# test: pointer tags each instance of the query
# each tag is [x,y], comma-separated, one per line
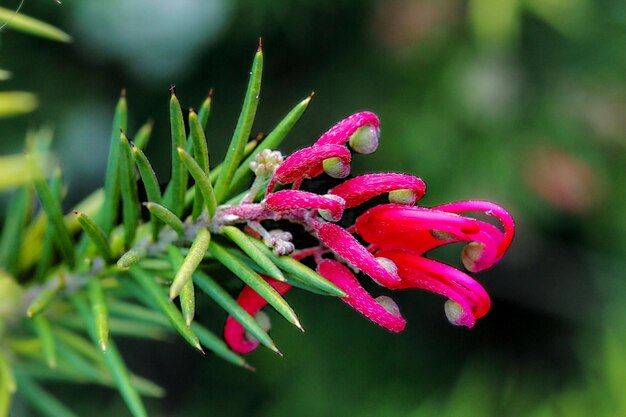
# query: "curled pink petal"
[491,209]
[359,189]
[358,298]
[347,247]
[340,133]
[419,272]
[308,163]
[234,333]
[331,207]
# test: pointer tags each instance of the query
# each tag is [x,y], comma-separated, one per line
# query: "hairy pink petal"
[234,333]
[358,298]
[419,272]
[286,200]
[491,209]
[340,133]
[360,189]
[347,247]
[307,163]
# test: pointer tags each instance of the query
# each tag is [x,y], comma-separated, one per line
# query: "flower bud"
[336,167]
[454,312]
[264,321]
[365,139]
[472,252]
[266,162]
[330,215]
[403,196]
[389,305]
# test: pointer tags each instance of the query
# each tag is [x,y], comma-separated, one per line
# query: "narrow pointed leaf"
[271,141]
[131,310]
[235,152]
[151,184]
[229,304]
[255,281]
[45,296]
[52,207]
[47,243]
[166,306]
[7,386]
[131,257]
[41,399]
[95,234]
[245,243]
[201,156]
[203,183]
[217,346]
[108,212]
[128,186]
[187,292]
[300,271]
[44,332]
[99,311]
[13,231]
[191,262]
[143,135]
[78,344]
[205,109]
[178,182]
[26,24]
[114,362]
[167,217]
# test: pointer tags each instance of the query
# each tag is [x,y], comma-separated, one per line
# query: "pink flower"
[402,188]
[361,130]
[234,333]
[330,207]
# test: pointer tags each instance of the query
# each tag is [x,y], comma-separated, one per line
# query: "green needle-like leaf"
[41,399]
[228,303]
[131,257]
[14,227]
[130,199]
[300,271]
[245,243]
[217,345]
[23,23]
[99,311]
[114,362]
[272,141]
[203,183]
[131,310]
[191,262]
[45,296]
[95,234]
[143,135]
[187,292]
[235,152]
[166,217]
[201,156]
[166,306]
[47,245]
[15,103]
[205,109]
[7,386]
[151,184]
[108,212]
[178,183]
[43,330]
[52,207]
[255,281]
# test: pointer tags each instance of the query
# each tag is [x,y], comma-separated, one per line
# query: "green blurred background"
[522,102]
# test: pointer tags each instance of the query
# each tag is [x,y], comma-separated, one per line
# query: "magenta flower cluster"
[398,235]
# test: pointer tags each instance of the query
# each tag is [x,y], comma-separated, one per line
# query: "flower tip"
[336,167]
[471,255]
[403,196]
[389,265]
[365,139]
[389,305]
[457,315]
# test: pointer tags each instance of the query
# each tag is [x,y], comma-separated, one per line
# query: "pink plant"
[398,234]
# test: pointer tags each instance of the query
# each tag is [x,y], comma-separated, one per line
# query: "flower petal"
[331,207]
[342,132]
[359,299]
[419,272]
[359,189]
[308,163]
[234,333]
[347,247]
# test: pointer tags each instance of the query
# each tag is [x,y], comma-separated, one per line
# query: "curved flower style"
[398,235]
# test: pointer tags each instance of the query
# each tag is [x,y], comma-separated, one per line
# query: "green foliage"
[95,271]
